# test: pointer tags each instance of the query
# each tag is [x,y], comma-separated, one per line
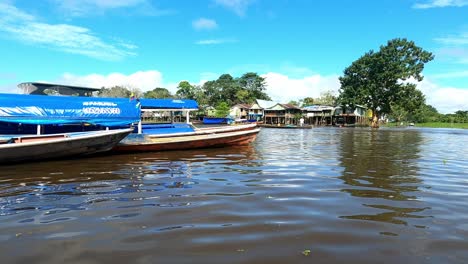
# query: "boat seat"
[39,138]
[7,140]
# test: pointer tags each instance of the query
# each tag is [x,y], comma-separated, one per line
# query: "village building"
[318,115]
[350,116]
[240,111]
[282,114]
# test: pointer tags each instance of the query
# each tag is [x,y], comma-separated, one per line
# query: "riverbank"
[433,125]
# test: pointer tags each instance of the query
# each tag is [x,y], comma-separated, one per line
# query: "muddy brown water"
[322,195]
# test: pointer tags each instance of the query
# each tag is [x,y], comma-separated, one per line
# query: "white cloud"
[237,6]
[455,47]
[456,40]
[143,80]
[282,88]
[214,41]
[87,7]
[64,37]
[451,75]
[9,88]
[444,99]
[440,3]
[204,24]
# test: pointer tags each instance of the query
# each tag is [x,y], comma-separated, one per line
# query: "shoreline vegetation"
[431,125]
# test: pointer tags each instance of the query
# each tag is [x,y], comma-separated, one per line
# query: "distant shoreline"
[433,125]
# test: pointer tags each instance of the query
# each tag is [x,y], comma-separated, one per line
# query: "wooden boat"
[162,142]
[286,126]
[161,137]
[21,148]
[36,127]
[206,130]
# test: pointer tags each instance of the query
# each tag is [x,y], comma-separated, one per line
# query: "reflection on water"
[383,164]
[347,195]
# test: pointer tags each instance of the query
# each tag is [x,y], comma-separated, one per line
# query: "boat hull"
[42,147]
[144,143]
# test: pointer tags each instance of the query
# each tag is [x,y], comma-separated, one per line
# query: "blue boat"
[36,127]
[217,120]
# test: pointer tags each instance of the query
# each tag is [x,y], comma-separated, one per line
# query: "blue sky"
[301,47]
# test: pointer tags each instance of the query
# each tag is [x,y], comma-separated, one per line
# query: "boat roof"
[42,110]
[168,104]
[39,88]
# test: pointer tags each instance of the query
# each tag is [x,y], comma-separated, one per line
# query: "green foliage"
[222,109]
[326,98]
[158,93]
[116,92]
[185,90]
[226,89]
[292,102]
[425,113]
[308,101]
[379,80]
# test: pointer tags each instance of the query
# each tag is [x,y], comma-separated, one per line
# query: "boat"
[217,120]
[21,148]
[164,142]
[36,127]
[177,136]
[285,126]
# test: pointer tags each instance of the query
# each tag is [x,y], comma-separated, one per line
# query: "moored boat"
[160,137]
[21,148]
[36,127]
[147,142]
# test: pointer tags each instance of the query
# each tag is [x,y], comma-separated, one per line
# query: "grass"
[443,125]
[434,125]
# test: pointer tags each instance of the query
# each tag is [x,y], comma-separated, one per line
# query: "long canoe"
[22,148]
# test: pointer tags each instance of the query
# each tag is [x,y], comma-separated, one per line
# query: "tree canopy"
[119,92]
[226,88]
[380,80]
[158,93]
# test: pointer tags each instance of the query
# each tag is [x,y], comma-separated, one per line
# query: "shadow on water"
[381,168]
[47,186]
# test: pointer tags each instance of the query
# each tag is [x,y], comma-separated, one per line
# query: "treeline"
[428,113]
[379,80]
[226,89]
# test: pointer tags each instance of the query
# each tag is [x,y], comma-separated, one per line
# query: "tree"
[116,91]
[326,98]
[185,90]
[292,102]
[307,101]
[426,113]
[380,79]
[222,109]
[158,93]
[255,86]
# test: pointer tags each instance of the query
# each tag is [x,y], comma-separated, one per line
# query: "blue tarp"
[168,104]
[44,110]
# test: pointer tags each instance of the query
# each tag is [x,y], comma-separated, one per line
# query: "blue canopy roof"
[168,104]
[43,110]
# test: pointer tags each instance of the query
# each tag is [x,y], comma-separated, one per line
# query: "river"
[322,195]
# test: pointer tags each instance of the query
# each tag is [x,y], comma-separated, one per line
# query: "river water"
[322,195]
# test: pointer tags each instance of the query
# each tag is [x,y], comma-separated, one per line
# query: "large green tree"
[158,93]
[115,91]
[186,90]
[379,79]
[326,98]
[255,86]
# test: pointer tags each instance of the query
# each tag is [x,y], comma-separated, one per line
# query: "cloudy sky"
[300,47]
